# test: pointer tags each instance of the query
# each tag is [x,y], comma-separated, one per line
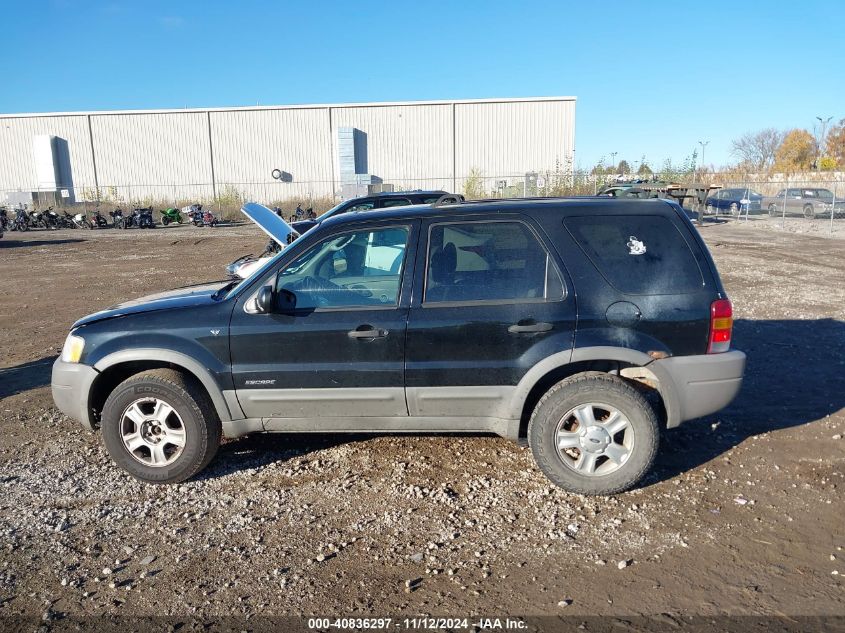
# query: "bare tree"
[757,150]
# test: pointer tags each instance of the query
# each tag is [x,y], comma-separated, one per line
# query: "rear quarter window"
[638,254]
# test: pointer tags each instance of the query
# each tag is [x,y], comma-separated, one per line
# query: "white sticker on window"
[635,246]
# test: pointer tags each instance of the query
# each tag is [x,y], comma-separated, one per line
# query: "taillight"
[721,324]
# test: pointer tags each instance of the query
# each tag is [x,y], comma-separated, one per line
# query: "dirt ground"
[744,513]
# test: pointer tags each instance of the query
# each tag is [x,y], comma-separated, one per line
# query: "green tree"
[644,169]
[623,168]
[796,153]
[474,184]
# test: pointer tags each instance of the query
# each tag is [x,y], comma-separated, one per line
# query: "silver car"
[806,201]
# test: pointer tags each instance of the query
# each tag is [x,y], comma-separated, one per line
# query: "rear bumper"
[699,385]
[71,385]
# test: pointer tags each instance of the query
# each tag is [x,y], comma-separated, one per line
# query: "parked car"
[376,201]
[806,201]
[734,201]
[582,326]
[279,231]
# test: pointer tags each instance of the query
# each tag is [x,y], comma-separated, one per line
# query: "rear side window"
[638,254]
[489,261]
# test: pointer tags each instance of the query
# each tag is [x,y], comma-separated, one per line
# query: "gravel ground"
[743,513]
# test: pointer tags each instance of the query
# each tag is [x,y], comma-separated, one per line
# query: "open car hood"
[270,223]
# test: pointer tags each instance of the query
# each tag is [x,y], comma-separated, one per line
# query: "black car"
[384,200]
[735,201]
[581,326]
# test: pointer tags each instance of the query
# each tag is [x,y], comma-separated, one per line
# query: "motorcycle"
[36,220]
[117,219]
[66,221]
[142,217]
[171,215]
[51,219]
[98,221]
[80,221]
[21,222]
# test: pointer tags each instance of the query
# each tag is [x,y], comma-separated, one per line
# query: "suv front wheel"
[593,434]
[160,426]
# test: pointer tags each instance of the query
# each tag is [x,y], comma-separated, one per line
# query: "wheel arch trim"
[666,384]
[201,373]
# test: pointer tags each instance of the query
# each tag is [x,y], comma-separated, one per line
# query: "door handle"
[367,332]
[529,326]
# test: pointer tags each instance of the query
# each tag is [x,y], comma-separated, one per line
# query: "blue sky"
[643,87]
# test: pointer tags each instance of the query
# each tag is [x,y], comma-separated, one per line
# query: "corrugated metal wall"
[509,139]
[148,154]
[17,163]
[408,146]
[249,144]
[231,153]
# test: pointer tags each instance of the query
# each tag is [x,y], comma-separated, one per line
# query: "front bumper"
[699,385]
[71,386]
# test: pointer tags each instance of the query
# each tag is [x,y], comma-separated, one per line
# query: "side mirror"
[285,301]
[264,301]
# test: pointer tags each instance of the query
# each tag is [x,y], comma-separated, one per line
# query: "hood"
[270,223]
[187,297]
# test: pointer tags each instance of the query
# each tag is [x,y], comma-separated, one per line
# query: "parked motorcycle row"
[21,219]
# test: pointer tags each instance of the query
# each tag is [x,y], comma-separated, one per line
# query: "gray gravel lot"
[742,515]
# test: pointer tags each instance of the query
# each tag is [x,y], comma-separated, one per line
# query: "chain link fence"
[800,202]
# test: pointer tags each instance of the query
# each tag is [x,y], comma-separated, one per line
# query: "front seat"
[441,272]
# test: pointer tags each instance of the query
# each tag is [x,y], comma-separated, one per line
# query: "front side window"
[362,268]
[489,261]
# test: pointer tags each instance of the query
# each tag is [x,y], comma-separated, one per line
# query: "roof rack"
[448,198]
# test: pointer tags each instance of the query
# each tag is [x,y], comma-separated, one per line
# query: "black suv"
[384,200]
[583,326]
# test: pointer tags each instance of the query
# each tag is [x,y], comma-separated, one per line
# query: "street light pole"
[613,160]
[820,142]
[703,145]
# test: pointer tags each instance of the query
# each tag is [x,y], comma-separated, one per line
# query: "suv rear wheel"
[809,212]
[160,426]
[593,434]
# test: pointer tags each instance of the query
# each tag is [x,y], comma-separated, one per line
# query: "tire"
[165,220]
[548,424]
[194,414]
[809,212]
[773,211]
[710,209]
[734,209]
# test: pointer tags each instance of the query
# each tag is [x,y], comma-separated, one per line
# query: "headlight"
[72,351]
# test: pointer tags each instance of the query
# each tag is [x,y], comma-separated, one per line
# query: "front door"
[493,304]
[340,352]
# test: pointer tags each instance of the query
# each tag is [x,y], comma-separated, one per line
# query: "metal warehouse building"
[274,153]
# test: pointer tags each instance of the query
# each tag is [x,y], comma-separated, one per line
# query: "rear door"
[490,304]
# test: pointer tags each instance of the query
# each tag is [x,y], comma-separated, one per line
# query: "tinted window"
[363,268]
[395,202]
[642,254]
[362,206]
[488,261]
